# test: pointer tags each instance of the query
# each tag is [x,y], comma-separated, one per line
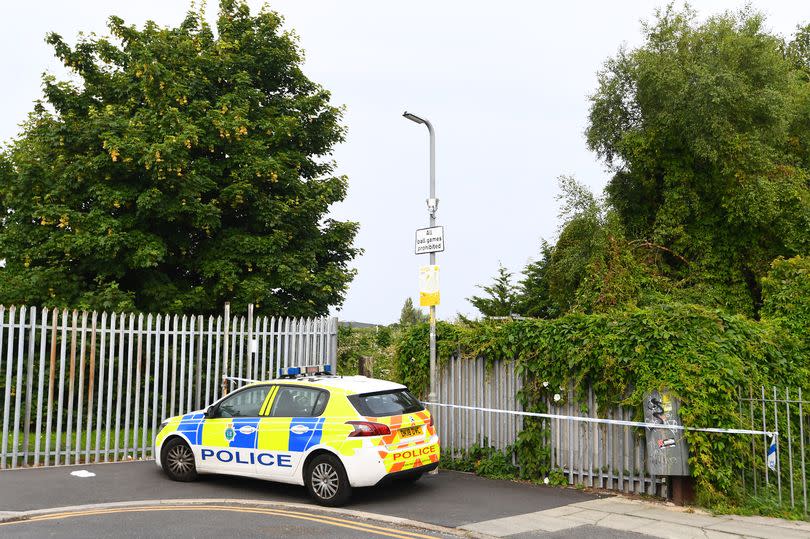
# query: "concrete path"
[622,515]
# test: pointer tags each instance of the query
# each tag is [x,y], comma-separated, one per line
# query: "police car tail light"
[368,428]
[430,421]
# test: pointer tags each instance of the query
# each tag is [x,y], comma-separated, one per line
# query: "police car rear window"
[386,403]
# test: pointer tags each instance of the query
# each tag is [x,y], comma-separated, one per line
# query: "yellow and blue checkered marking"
[244,432]
[191,426]
[304,440]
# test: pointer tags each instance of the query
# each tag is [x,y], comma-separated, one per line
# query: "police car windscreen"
[386,403]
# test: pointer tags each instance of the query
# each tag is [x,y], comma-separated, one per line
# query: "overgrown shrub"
[483,460]
[702,356]
[371,342]
[786,295]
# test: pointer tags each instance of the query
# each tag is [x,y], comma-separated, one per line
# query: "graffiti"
[667,453]
[657,410]
[661,409]
[666,443]
[660,459]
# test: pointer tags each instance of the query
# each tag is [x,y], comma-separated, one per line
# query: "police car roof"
[350,384]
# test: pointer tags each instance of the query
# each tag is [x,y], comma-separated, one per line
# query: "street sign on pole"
[429,240]
[432,205]
[429,286]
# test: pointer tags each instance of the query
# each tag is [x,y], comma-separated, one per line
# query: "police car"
[308,427]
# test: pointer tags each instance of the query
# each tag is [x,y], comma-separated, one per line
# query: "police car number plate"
[409,431]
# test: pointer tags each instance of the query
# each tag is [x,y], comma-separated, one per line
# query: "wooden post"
[365,366]
[681,490]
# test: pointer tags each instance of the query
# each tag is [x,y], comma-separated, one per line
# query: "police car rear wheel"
[327,481]
[178,460]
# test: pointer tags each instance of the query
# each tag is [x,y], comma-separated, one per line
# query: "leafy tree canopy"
[179,168]
[707,130]
[410,315]
[786,295]
[533,297]
[592,267]
[581,235]
[500,298]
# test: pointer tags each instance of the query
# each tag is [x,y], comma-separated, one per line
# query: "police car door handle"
[299,429]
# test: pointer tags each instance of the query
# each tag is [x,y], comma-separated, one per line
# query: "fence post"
[364,366]
[333,343]
[7,399]
[250,351]
[198,367]
[29,380]
[225,343]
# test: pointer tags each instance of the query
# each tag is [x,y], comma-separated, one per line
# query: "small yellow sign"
[429,286]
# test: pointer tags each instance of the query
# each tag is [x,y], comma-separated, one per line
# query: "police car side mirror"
[211,411]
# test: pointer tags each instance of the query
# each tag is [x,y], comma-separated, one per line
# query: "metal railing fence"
[469,382]
[784,475]
[594,455]
[614,456]
[609,456]
[81,387]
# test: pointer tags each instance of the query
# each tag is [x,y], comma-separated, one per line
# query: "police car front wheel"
[178,460]
[327,481]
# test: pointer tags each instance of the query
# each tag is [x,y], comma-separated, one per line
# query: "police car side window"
[298,402]
[245,403]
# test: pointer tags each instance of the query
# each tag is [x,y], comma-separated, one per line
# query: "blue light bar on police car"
[306,369]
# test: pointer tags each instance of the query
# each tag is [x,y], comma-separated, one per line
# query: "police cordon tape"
[603,421]
[576,418]
[248,380]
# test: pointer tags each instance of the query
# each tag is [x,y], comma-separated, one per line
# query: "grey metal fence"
[611,456]
[614,456]
[80,386]
[594,455]
[784,475]
[468,382]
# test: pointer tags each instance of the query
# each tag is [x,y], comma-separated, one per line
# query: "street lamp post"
[432,204]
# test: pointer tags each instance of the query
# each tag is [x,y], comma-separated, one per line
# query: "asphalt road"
[203,521]
[447,499]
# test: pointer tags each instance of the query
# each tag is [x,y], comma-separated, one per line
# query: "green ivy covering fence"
[702,356]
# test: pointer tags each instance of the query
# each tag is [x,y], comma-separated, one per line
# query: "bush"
[786,294]
[483,460]
[372,342]
[702,356]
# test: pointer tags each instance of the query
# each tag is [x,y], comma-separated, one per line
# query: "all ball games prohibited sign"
[429,240]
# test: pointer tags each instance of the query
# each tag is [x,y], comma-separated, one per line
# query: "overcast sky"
[505,84]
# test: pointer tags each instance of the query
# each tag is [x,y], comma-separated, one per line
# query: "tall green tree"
[592,267]
[500,298]
[581,237]
[706,127]
[179,168]
[532,296]
[410,315]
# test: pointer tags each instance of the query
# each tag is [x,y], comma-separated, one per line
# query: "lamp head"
[413,117]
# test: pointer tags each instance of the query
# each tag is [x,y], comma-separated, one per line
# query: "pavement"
[135,499]
[641,518]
